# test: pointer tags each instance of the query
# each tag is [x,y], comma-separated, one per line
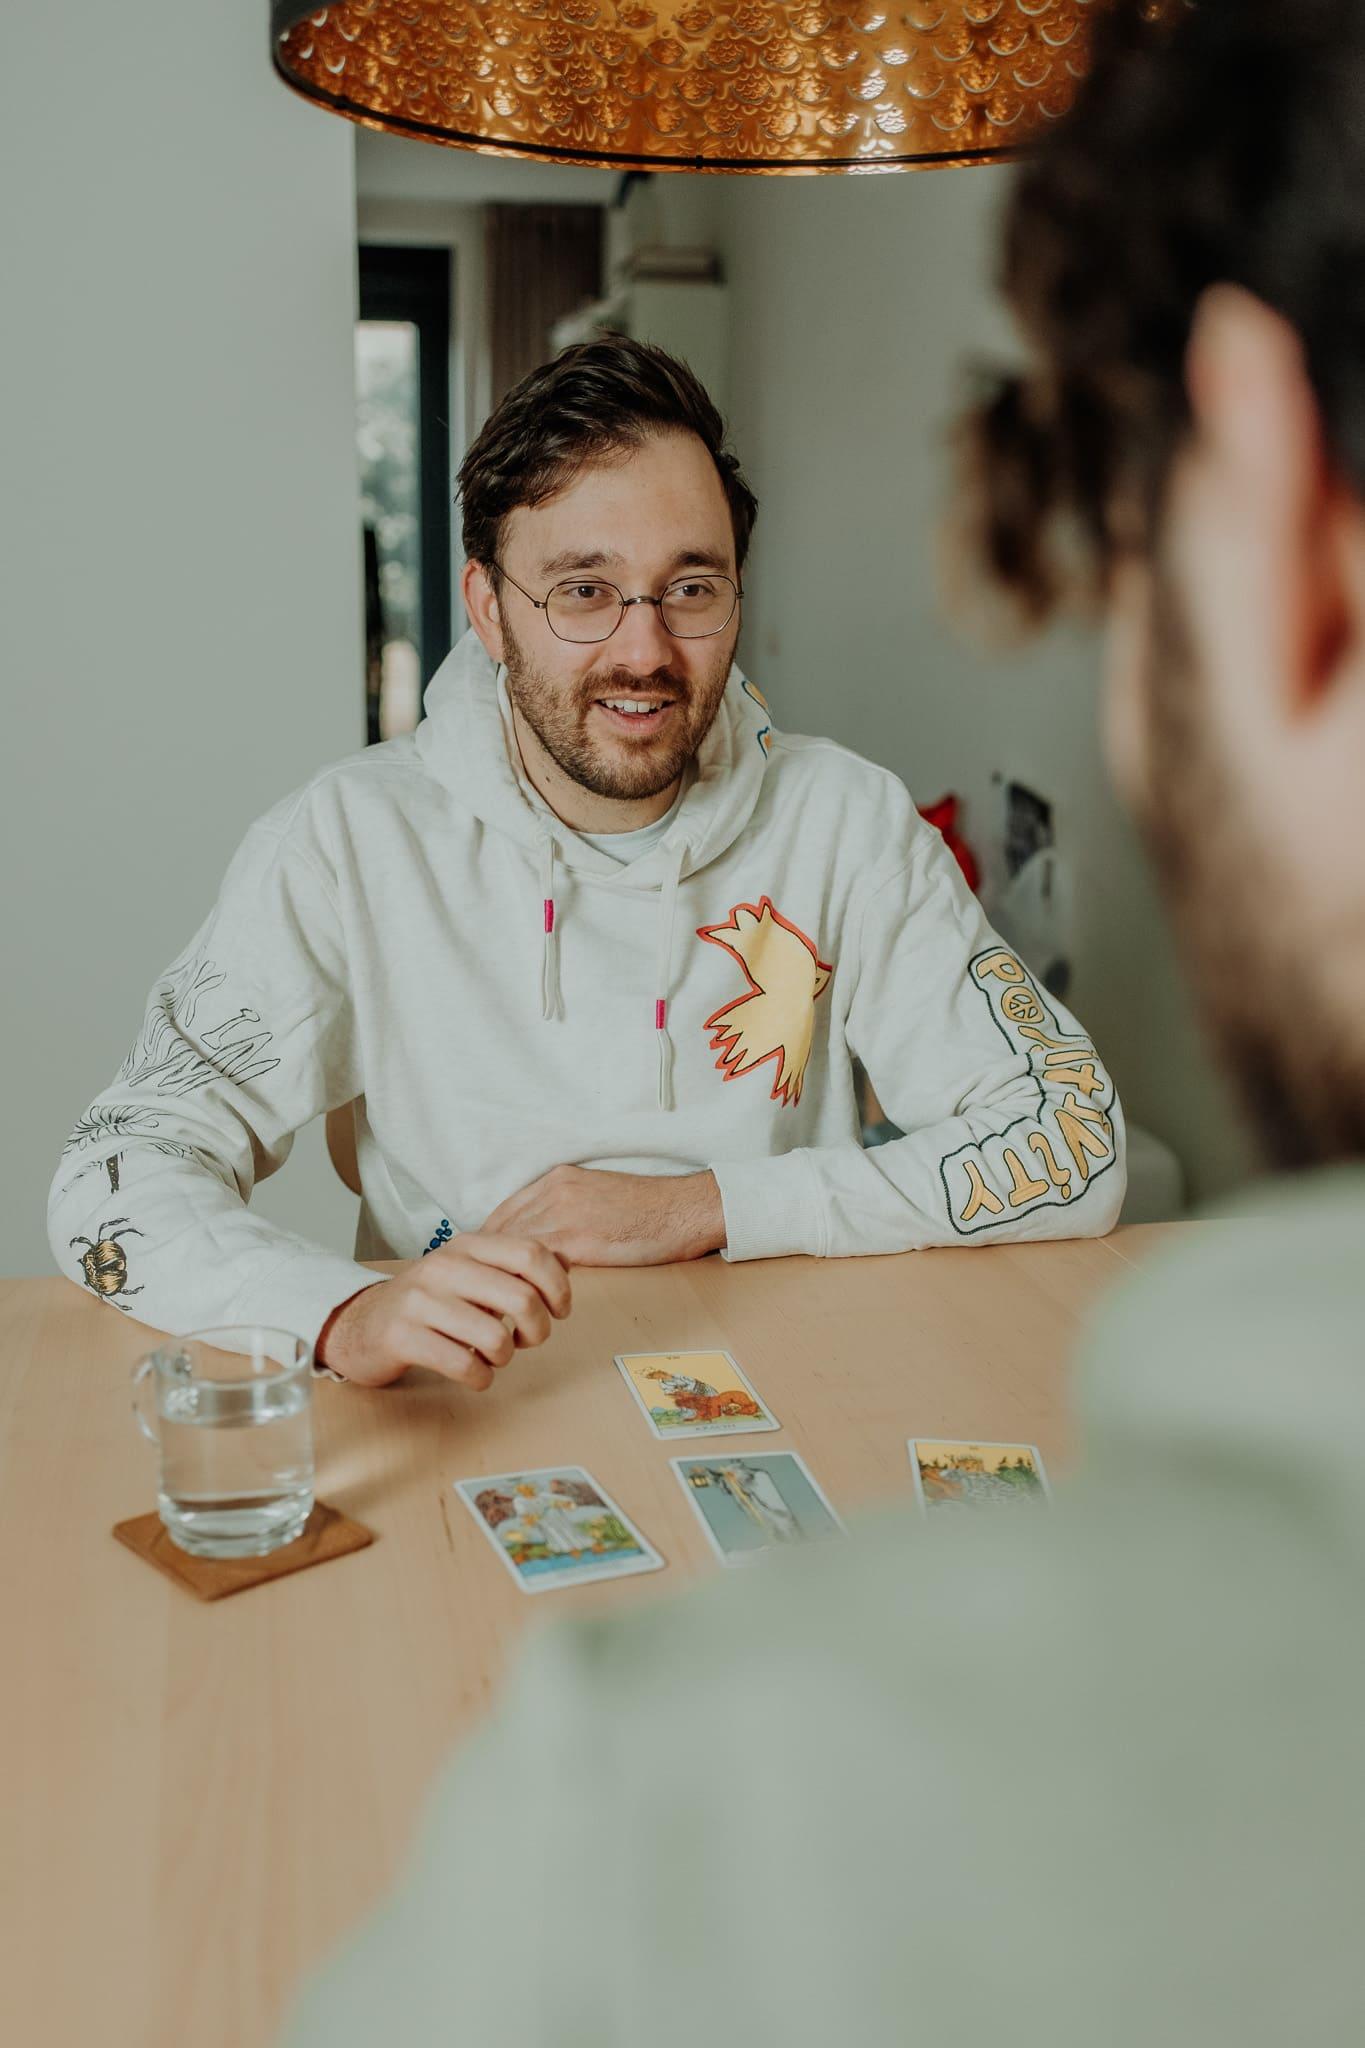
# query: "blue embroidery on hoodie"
[444,1233]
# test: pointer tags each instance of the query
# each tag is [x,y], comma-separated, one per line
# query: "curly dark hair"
[1213,141]
[594,398]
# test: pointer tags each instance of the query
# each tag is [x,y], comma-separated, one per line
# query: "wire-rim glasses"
[586,609]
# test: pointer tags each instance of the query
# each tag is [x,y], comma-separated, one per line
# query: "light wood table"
[199,1798]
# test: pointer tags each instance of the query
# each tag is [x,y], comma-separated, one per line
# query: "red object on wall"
[943,814]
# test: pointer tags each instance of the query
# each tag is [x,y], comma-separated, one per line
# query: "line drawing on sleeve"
[167,1060]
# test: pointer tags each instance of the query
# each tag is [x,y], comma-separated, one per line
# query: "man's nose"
[642,640]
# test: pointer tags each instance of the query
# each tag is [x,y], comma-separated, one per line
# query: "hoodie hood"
[463,742]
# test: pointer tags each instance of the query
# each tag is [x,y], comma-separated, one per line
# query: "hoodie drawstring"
[668,911]
[550,1002]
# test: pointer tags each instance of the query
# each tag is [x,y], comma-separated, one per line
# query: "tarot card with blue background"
[556,1527]
[755,1502]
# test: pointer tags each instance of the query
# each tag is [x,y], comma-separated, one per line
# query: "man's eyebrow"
[701,558]
[579,558]
[570,561]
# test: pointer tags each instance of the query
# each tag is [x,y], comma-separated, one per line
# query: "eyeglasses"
[585,609]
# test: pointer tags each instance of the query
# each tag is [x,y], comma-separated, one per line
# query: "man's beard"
[1262,969]
[559,719]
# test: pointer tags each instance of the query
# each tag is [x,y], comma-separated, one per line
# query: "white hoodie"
[416,931]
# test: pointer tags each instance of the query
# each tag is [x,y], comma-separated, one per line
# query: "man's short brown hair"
[595,399]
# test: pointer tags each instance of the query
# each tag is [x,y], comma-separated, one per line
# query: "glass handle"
[139,1414]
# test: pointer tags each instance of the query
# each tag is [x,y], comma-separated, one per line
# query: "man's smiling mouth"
[644,713]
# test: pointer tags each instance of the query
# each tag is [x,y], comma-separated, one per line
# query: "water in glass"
[236,1462]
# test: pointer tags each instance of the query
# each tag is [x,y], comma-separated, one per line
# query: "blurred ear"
[1275,537]
[1127,668]
[480,601]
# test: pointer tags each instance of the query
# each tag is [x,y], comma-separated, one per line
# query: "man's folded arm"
[1013,1127]
[246,1038]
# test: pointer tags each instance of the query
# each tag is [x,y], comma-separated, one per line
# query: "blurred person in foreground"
[1094,1777]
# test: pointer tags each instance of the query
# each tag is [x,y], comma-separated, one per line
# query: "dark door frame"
[401,283]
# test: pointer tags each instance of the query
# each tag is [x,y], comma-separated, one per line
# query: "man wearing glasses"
[593,953]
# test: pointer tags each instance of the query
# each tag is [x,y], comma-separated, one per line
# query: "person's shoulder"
[806,1758]
[837,1630]
[1274,1251]
[1243,1322]
[864,797]
[819,759]
[390,771]
[386,778]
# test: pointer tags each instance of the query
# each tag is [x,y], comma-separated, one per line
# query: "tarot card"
[950,1475]
[556,1527]
[694,1393]
[753,1502]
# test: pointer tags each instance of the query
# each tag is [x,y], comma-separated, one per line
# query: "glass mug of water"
[233,1420]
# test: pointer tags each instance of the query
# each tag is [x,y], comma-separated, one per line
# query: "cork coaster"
[326,1534]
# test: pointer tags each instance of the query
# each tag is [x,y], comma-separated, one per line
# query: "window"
[402,355]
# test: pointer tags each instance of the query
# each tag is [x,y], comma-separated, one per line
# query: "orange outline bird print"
[775,1018]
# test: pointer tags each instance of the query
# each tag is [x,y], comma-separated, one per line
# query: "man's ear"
[481,603]
[1283,565]
[1340,623]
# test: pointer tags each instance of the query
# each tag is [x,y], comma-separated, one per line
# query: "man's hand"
[617,1219]
[446,1310]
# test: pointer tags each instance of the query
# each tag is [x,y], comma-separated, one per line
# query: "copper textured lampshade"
[761,85]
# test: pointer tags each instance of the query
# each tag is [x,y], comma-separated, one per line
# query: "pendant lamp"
[776,86]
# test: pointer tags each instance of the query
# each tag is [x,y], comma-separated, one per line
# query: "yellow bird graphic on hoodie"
[775,1018]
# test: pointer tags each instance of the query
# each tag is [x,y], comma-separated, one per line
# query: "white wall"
[399,167]
[854,304]
[181,547]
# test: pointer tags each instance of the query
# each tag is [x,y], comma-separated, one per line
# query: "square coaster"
[326,1534]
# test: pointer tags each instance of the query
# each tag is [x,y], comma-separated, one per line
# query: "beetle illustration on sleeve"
[105,1264]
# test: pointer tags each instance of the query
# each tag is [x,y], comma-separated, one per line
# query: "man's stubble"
[558,718]
[1277,986]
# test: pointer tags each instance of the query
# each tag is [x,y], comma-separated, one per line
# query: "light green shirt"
[624,847]
[1090,1777]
